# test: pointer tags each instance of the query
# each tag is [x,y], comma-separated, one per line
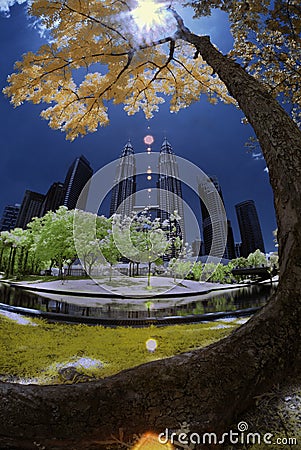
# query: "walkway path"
[126,287]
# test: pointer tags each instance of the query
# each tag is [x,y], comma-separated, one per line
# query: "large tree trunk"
[206,388]
[280,141]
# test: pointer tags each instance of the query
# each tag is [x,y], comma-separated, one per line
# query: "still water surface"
[231,300]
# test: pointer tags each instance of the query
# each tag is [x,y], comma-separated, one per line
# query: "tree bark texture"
[207,388]
[280,141]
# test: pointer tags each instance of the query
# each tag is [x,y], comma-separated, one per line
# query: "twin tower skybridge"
[164,176]
[161,201]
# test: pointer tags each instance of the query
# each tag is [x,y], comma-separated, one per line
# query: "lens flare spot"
[151,441]
[148,140]
[151,345]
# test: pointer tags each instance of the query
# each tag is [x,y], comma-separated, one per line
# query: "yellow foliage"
[267,40]
[122,66]
[140,69]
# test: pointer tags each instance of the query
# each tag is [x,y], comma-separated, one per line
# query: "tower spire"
[122,200]
[166,147]
[169,187]
[128,149]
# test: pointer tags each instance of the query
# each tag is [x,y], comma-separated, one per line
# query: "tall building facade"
[9,217]
[123,192]
[230,252]
[30,208]
[170,188]
[77,176]
[249,226]
[53,199]
[210,189]
[237,249]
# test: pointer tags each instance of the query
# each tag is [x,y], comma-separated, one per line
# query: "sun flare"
[148,14]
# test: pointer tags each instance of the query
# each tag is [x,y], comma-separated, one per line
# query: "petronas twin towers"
[169,189]
[124,190]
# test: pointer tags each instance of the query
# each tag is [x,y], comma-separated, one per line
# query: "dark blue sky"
[212,137]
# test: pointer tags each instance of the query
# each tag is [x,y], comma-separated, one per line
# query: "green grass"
[31,278]
[29,351]
[117,282]
[44,278]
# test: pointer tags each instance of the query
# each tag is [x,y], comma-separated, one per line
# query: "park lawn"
[30,353]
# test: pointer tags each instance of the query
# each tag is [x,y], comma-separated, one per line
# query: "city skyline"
[110,206]
[210,136]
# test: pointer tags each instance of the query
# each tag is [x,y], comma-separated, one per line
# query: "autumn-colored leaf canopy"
[97,53]
[267,41]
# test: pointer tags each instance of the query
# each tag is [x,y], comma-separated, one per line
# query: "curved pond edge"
[132,322]
[166,294]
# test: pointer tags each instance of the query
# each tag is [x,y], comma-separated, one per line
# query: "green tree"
[141,240]
[89,231]
[179,267]
[110,251]
[55,241]
[274,261]
[151,241]
[257,259]
[22,243]
[239,263]
[6,247]
[208,271]
[3,249]
[33,258]
[183,65]
[197,270]
[15,240]
[221,273]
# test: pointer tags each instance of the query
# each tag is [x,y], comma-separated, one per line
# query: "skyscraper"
[215,202]
[249,226]
[30,207]
[9,217]
[237,249]
[53,199]
[170,187]
[230,252]
[123,192]
[77,176]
